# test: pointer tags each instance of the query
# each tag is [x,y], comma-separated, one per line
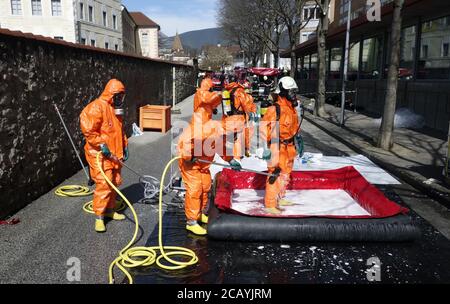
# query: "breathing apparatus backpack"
[228,106]
[297,139]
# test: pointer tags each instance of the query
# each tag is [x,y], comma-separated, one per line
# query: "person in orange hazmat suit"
[102,125]
[281,148]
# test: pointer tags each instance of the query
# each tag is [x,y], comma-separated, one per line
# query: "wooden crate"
[155,117]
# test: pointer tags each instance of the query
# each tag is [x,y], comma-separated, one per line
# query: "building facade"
[147,35]
[50,18]
[96,23]
[424,72]
[129,33]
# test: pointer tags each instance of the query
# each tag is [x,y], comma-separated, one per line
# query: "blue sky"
[173,15]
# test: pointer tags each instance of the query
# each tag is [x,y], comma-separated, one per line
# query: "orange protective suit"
[283,150]
[205,102]
[100,125]
[198,140]
[235,125]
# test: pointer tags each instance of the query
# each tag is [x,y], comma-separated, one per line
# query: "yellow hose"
[80,191]
[132,257]
[73,191]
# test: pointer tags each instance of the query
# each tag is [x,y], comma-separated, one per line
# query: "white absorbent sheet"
[317,162]
[306,203]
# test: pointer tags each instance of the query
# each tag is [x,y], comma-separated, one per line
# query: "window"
[353,61]
[106,45]
[434,60]
[16,7]
[92,42]
[370,68]
[105,20]
[407,53]
[81,10]
[336,61]
[114,22]
[36,7]
[305,14]
[83,41]
[56,8]
[445,49]
[144,39]
[59,37]
[116,47]
[91,14]
[424,54]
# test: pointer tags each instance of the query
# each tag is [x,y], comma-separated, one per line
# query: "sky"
[173,15]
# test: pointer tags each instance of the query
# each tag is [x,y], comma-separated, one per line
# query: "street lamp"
[345,76]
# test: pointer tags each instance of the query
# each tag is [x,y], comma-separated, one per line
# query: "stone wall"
[35,73]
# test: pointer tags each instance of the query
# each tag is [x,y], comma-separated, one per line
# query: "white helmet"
[288,83]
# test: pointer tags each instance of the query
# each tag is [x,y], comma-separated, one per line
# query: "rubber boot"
[204,219]
[274,211]
[100,225]
[115,216]
[195,228]
[285,203]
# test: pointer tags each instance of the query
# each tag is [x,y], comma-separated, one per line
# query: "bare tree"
[322,32]
[233,20]
[252,25]
[385,135]
[216,58]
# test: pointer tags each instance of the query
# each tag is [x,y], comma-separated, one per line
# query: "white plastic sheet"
[306,202]
[317,162]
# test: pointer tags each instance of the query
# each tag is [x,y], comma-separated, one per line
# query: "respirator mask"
[290,95]
[118,102]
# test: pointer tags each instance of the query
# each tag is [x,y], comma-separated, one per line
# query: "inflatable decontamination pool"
[335,205]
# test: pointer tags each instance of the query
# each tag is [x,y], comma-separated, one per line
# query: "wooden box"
[155,117]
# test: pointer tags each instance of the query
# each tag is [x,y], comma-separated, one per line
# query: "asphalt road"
[54,229]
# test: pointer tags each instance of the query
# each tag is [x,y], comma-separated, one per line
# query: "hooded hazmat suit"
[282,147]
[198,141]
[100,125]
[235,125]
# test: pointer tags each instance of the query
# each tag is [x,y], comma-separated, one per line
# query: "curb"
[432,192]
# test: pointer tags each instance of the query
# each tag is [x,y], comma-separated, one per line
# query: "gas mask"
[290,95]
[118,101]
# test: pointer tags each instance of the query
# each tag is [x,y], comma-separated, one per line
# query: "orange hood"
[206,84]
[113,87]
[233,85]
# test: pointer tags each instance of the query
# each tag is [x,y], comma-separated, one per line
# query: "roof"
[20,35]
[177,46]
[142,20]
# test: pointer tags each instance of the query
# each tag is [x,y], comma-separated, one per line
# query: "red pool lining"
[347,179]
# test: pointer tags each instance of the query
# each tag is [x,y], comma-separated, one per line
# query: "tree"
[322,33]
[216,58]
[385,135]
[233,20]
[289,12]
[252,25]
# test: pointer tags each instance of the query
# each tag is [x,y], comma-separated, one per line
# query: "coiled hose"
[132,257]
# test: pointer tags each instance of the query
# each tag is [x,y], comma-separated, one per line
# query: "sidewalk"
[416,158]
[54,229]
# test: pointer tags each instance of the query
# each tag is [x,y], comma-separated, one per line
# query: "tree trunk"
[322,31]
[275,59]
[293,63]
[385,135]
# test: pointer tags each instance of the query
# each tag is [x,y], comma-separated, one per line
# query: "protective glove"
[126,154]
[235,165]
[267,154]
[105,150]
[299,145]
